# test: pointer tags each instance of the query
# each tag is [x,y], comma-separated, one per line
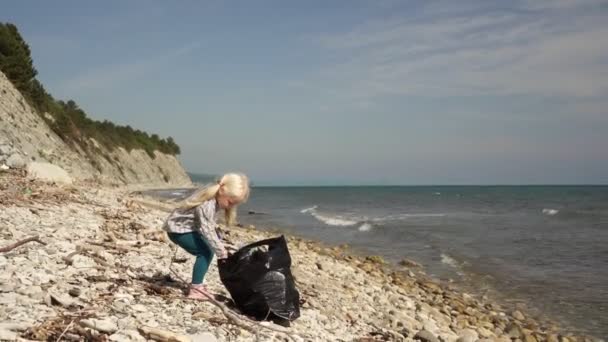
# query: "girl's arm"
[206,217]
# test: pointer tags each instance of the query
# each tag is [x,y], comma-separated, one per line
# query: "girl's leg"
[194,244]
[203,259]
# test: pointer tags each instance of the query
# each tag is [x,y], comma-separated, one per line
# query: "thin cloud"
[111,75]
[496,52]
[559,4]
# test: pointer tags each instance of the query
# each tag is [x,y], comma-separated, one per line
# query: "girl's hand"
[224,255]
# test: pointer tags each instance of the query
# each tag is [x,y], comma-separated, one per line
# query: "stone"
[485,333]
[127,336]
[467,335]
[503,338]
[74,292]
[529,337]
[409,263]
[518,315]
[54,299]
[34,291]
[7,335]
[203,337]
[48,172]
[426,336]
[5,150]
[15,161]
[15,326]
[8,299]
[431,327]
[82,261]
[105,325]
[139,307]
[514,331]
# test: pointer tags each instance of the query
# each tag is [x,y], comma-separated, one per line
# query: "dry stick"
[242,322]
[68,259]
[112,246]
[19,243]
[65,330]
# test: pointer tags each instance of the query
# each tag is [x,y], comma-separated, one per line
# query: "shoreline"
[489,295]
[125,282]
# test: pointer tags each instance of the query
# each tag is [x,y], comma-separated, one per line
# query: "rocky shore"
[106,272]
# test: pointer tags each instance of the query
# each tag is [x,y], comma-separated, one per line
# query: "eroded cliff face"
[26,138]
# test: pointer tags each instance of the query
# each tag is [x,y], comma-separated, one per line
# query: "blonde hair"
[234,185]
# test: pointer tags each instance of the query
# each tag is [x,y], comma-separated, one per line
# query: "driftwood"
[114,246]
[65,330]
[90,251]
[162,335]
[19,243]
[240,321]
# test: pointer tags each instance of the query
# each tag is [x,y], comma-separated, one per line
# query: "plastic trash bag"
[258,277]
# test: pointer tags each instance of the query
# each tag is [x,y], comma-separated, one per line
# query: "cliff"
[25,138]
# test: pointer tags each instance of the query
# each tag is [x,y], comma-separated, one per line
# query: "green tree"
[15,58]
[67,119]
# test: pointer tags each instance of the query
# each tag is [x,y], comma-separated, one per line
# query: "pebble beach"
[104,271]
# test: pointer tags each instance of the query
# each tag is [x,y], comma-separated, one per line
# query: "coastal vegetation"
[66,118]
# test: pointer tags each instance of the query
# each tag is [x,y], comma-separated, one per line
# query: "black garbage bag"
[258,277]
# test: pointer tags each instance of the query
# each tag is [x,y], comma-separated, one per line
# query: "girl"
[192,226]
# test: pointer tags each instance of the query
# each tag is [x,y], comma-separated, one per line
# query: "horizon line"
[423,185]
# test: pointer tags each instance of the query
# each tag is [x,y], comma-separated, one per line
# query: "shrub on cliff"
[67,119]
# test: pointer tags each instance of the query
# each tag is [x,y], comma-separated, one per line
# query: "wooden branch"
[68,259]
[65,330]
[112,246]
[19,243]
[240,321]
[90,251]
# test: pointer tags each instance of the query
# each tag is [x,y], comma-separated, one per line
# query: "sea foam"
[550,212]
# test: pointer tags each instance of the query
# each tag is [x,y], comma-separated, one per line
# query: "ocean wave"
[307,210]
[333,220]
[366,222]
[365,227]
[406,216]
[550,212]
[448,260]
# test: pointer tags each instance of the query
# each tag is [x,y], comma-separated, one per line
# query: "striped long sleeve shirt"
[199,219]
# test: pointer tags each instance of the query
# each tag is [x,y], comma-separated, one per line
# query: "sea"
[543,249]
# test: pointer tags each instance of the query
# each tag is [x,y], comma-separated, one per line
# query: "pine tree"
[15,58]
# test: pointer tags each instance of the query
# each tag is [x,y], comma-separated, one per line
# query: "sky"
[342,92]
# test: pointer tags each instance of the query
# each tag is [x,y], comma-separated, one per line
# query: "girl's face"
[226,202]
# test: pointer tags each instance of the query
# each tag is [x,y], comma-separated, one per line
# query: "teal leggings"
[196,245]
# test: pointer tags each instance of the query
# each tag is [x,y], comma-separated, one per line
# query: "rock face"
[25,137]
[48,172]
